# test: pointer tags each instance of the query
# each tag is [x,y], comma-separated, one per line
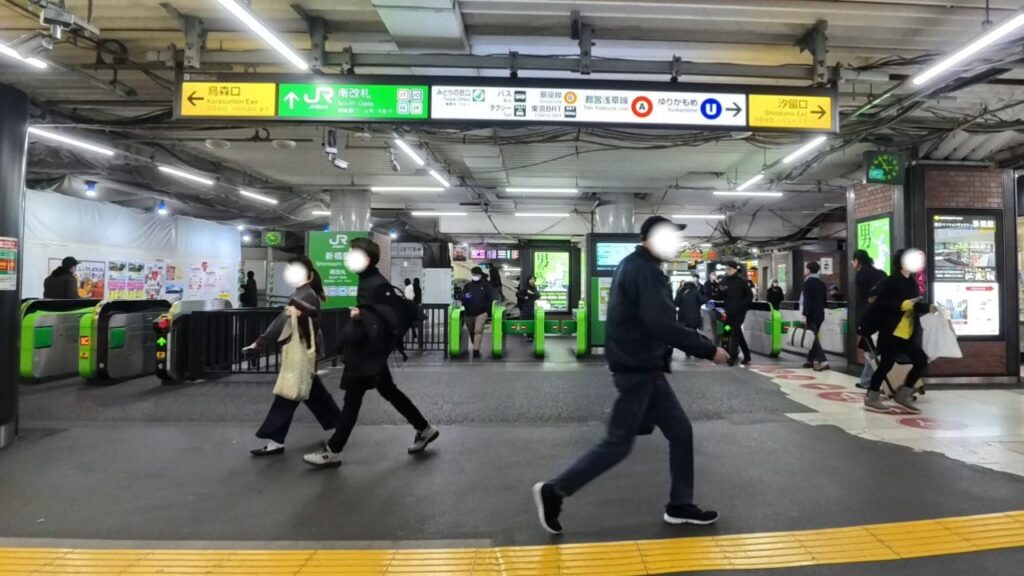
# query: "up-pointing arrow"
[291,99]
[161,341]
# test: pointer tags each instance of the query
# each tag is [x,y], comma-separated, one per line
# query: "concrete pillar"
[614,214]
[13,141]
[350,211]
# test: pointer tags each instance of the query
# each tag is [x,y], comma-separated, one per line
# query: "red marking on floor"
[932,424]
[848,397]
[822,386]
[794,377]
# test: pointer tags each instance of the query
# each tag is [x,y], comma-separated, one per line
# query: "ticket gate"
[117,340]
[458,337]
[762,329]
[49,337]
[540,327]
[172,336]
[798,340]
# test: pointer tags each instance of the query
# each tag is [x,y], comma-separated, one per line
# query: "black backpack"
[397,314]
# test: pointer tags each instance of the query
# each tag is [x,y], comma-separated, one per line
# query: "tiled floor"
[983,427]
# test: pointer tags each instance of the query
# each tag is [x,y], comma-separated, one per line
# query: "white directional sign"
[486,103]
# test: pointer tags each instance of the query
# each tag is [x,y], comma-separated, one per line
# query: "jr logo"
[339,240]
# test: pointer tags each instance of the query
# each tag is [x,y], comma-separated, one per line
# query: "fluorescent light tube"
[754,180]
[734,193]
[439,178]
[994,35]
[699,216]
[320,213]
[428,213]
[542,190]
[814,143]
[542,214]
[268,35]
[30,60]
[185,175]
[256,196]
[46,134]
[410,152]
[406,189]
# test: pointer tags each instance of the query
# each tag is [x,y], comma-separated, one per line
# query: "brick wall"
[963,187]
[872,199]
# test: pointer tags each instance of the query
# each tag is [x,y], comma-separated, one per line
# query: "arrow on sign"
[192,98]
[735,110]
[820,112]
[291,99]
[161,341]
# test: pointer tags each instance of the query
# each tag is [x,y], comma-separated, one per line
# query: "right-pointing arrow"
[820,112]
[735,109]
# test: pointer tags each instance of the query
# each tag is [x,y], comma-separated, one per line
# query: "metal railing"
[431,333]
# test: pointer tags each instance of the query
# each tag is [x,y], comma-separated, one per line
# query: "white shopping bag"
[937,337]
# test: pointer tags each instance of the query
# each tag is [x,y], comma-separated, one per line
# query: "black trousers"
[279,418]
[891,347]
[736,339]
[355,388]
[816,353]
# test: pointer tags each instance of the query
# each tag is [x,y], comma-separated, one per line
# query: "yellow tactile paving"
[872,543]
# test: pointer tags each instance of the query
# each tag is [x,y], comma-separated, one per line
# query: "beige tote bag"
[298,365]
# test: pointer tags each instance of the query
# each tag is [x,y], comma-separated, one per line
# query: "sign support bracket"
[584,33]
[317,37]
[195,35]
[815,42]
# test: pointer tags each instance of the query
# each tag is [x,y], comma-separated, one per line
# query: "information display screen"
[875,237]
[552,272]
[966,273]
[609,254]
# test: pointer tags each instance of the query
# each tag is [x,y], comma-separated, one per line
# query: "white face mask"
[296,275]
[357,261]
[477,278]
[913,261]
[665,241]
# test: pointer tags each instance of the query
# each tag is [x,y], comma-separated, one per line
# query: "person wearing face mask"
[737,295]
[815,295]
[527,297]
[641,332]
[898,308]
[775,295]
[303,304]
[365,352]
[477,297]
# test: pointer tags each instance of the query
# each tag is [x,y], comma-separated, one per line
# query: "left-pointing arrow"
[735,109]
[192,98]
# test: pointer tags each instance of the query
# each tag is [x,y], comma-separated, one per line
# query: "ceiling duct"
[424,24]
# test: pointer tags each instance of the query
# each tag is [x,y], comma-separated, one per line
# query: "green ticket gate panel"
[458,340]
[582,341]
[117,340]
[49,337]
[762,329]
[172,333]
[497,330]
[538,332]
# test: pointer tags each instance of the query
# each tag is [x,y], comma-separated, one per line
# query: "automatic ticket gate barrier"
[762,328]
[458,338]
[172,336]
[117,340]
[49,337]
[540,327]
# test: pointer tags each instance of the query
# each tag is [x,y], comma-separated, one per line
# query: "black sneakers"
[476,353]
[689,514]
[549,506]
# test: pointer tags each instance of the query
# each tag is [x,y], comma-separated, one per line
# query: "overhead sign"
[483,100]
[790,111]
[353,101]
[228,99]
[588,106]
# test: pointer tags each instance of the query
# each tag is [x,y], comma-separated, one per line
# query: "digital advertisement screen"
[966,274]
[609,254]
[875,237]
[552,272]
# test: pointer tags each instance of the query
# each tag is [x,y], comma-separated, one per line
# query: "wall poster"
[8,264]
[552,272]
[966,273]
[875,237]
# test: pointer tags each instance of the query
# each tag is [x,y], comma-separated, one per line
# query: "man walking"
[868,278]
[738,296]
[641,332]
[815,295]
[477,297]
[61,284]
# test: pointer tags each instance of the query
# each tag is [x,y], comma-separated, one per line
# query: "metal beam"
[195,36]
[317,37]
[815,42]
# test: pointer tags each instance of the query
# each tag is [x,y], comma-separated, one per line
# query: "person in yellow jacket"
[899,306]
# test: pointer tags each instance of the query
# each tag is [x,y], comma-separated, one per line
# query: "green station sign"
[353,101]
[327,252]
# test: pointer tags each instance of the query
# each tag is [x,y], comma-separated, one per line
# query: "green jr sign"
[327,252]
[353,101]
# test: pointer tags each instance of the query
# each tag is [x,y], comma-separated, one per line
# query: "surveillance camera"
[339,163]
[331,146]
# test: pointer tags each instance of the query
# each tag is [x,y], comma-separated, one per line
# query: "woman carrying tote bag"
[298,330]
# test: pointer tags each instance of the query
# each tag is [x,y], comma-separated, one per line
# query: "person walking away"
[738,296]
[813,303]
[899,307]
[712,288]
[304,305]
[477,297]
[417,291]
[62,284]
[689,302]
[775,295]
[417,297]
[526,298]
[367,342]
[495,280]
[408,291]
[250,292]
[868,278]
[641,333]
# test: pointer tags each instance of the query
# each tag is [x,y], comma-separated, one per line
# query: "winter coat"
[688,304]
[61,284]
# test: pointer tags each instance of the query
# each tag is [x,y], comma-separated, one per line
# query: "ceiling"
[873,47]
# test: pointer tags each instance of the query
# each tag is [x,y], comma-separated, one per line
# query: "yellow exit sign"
[228,99]
[787,111]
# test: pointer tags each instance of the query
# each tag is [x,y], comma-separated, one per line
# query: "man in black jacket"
[868,278]
[815,295]
[738,296]
[641,332]
[365,355]
[61,284]
[477,297]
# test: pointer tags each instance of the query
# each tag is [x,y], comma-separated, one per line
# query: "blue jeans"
[643,399]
